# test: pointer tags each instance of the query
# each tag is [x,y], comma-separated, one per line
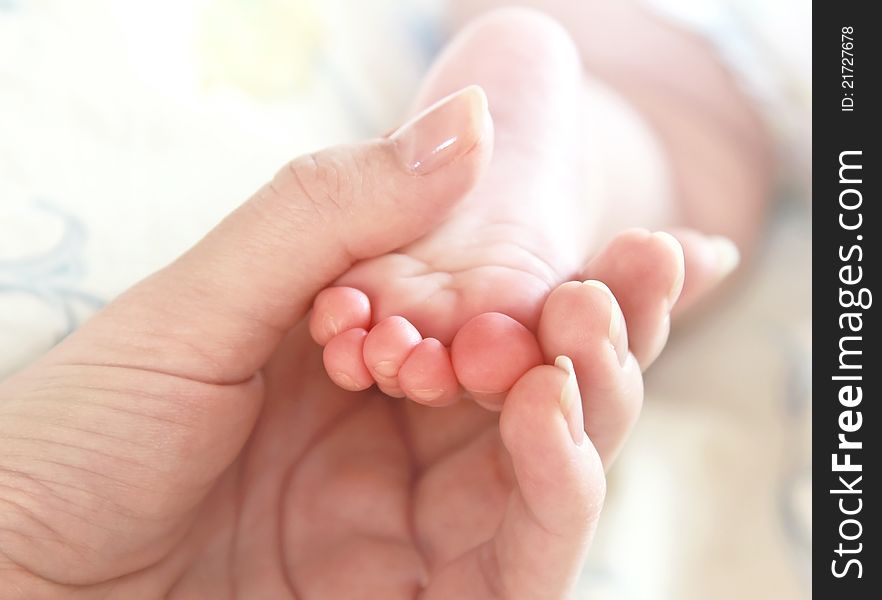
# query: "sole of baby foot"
[645,271]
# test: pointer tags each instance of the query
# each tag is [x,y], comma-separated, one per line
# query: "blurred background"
[128,129]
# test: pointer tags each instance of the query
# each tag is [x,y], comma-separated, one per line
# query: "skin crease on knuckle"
[305,194]
[316,193]
[327,181]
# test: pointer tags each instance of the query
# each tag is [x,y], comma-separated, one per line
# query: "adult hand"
[186,442]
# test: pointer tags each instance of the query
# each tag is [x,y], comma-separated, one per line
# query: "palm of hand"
[334,495]
[352,495]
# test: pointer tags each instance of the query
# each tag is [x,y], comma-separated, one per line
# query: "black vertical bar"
[846,262]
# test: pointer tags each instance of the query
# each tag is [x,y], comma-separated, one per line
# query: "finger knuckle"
[324,183]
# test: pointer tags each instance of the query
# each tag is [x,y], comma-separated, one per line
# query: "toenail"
[616,318]
[727,255]
[677,248]
[330,326]
[345,381]
[427,395]
[386,368]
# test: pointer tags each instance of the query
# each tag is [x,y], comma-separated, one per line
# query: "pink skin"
[427,376]
[718,151]
[646,273]
[338,309]
[490,352]
[344,363]
[481,280]
[387,346]
[702,264]
[575,323]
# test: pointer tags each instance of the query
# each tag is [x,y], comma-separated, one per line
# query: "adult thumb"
[217,313]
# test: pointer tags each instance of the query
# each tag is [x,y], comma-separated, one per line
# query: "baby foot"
[479,282]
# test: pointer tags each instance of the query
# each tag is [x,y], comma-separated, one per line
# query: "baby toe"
[344,362]
[490,353]
[386,348]
[338,309]
[427,375]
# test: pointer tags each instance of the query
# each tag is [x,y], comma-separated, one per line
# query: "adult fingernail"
[616,330]
[571,400]
[445,131]
[727,254]
[677,248]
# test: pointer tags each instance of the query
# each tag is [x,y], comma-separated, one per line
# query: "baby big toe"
[490,353]
[386,348]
